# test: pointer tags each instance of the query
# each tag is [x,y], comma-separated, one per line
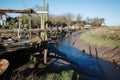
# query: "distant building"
[3,19]
[87,27]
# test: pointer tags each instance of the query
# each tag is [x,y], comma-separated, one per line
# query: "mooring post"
[30,26]
[90,50]
[20,22]
[44,32]
[96,52]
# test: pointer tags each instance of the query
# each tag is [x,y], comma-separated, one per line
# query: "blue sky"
[108,9]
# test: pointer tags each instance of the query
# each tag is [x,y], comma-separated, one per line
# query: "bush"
[8,27]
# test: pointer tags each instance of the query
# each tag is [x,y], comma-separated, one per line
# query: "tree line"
[67,19]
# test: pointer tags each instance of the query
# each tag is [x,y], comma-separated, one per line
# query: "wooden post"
[45,38]
[41,21]
[30,26]
[45,56]
[47,9]
[19,28]
[90,50]
[96,52]
[46,35]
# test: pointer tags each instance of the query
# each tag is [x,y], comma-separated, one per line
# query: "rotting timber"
[17,11]
[19,57]
[40,52]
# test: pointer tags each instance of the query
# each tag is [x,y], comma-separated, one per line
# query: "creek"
[101,69]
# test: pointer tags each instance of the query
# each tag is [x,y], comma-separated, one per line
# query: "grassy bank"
[28,72]
[103,37]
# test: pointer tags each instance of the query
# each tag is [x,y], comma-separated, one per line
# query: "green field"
[109,37]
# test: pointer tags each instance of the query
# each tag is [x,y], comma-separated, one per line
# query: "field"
[109,37]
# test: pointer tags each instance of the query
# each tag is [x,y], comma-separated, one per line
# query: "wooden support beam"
[30,26]
[17,11]
[45,55]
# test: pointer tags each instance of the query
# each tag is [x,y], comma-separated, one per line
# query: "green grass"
[64,75]
[103,37]
[38,74]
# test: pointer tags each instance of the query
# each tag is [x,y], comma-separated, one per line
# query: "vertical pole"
[19,29]
[42,16]
[30,26]
[41,21]
[90,50]
[47,9]
[45,51]
[45,33]
[45,56]
[43,5]
[96,52]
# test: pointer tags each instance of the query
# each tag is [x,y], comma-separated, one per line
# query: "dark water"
[90,64]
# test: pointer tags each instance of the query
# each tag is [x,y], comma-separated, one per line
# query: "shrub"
[8,27]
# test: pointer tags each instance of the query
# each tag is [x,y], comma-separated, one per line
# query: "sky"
[107,9]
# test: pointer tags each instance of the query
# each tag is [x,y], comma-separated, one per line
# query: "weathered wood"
[3,65]
[16,59]
[18,51]
[45,56]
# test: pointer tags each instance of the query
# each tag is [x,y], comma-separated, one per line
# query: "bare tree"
[69,17]
[95,22]
[79,20]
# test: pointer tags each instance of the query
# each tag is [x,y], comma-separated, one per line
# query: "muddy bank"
[106,53]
